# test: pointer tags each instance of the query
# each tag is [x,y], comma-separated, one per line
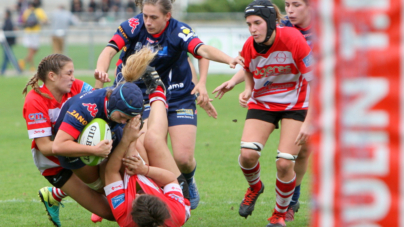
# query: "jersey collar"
[159,34]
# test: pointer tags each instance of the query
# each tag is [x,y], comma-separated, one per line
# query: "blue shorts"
[76,163]
[180,111]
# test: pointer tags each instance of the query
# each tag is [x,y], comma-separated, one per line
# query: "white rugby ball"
[94,132]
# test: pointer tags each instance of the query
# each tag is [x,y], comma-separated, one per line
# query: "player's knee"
[285,162]
[184,161]
[250,151]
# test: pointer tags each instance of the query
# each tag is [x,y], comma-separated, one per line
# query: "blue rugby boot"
[51,205]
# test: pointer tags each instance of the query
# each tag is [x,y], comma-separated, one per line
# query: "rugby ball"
[94,132]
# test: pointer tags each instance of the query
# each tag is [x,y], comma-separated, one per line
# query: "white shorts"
[31,40]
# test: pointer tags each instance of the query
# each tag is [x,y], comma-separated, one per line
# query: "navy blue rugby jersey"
[306,32]
[78,111]
[171,62]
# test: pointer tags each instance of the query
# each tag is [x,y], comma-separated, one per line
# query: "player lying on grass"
[41,109]
[139,199]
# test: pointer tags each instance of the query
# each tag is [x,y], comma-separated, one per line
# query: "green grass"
[220,181]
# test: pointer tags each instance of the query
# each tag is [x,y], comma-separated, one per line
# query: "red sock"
[253,176]
[158,94]
[58,194]
[284,193]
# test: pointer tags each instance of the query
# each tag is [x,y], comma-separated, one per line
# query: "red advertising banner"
[358,160]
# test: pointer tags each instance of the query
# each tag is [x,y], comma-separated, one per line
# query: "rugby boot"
[51,205]
[95,218]
[152,79]
[248,203]
[277,220]
[290,214]
[193,194]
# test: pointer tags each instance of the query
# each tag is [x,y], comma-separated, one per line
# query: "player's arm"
[65,145]
[130,134]
[249,85]
[103,62]
[162,177]
[230,84]
[217,55]
[44,145]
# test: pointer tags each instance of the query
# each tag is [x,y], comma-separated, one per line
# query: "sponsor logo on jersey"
[120,186]
[281,57]
[39,131]
[123,32]
[92,108]
[118,200]
[78,117]
[308,60]
[163,51]
[178,198]
[186,33]
[36,118]
[175,86]
[185,113]
[133,23]
[274,88]
[86,87]
[272,70]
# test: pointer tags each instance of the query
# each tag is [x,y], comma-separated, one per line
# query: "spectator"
[32,19]
[61,19]
[7,26]
[92,6]
[21,6]
[131,6]
[77,6]
[105,5]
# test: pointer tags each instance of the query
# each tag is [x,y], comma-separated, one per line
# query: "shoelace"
[249,197]
[275,218]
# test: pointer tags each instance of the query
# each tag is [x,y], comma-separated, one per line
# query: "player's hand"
[243,98]
[103,148]
[135,165]
[223,88]
[305,132]
[202,97]
[210,109]
[131,131]
[101,76]
[237,60]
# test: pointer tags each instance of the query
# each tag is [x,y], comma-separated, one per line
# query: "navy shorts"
[60,178]
[180,111]
[275,116]
[76,163]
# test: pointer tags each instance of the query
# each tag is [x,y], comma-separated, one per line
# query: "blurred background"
[218,23]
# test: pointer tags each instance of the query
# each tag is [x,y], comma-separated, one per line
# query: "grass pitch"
[219,178]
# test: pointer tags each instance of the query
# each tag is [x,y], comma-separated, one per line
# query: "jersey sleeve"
[303,56]
[37,118]
[80,87]
[187,39]
[77,117]
[127,32]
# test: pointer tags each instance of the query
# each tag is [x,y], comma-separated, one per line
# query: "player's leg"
[183,139]
[255,135]
[301,164]
[286,177]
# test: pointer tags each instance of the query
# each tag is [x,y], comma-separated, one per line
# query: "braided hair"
[51,63]
[165,5]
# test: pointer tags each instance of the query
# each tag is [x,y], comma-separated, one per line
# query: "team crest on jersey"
[133,23]
[92,108]
[281,57]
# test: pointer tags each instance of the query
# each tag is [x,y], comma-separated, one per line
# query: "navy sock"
[295,196]
[189,176]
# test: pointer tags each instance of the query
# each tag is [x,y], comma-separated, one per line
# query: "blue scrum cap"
[264,9]
[126,98]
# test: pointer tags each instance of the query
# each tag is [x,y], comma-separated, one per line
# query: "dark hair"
[51,63]
[149,211]
[165,5]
